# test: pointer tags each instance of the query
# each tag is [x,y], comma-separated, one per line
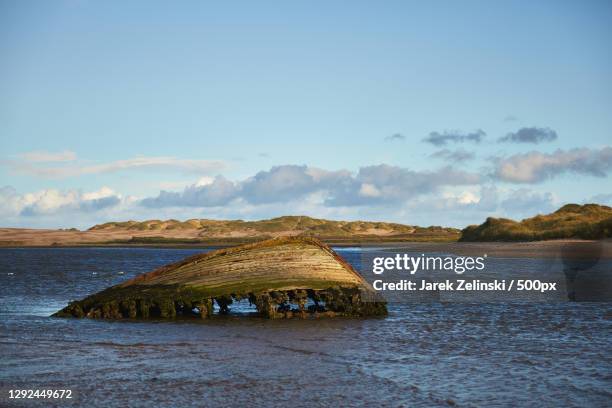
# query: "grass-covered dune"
[205,232]
[281,226]
[572,221]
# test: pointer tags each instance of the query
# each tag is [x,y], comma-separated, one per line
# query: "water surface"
[423,354]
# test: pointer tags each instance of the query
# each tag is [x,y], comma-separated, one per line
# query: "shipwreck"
[289,277]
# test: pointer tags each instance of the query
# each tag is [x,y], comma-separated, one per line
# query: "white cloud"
[40,156]
[73,170]
[457,201]
[535,166]
[204,181]
[96,195]
[217,193]
[468,198]
[369,190]
[52,201]
[395,185]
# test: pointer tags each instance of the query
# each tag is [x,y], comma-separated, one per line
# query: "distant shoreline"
[25,237]
[208,243]
[574,248]
[572,222]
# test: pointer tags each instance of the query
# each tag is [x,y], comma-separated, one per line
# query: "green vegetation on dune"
[281,226]
[572,221]
[340,241]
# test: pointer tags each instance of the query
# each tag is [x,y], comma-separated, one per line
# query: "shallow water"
[423,354]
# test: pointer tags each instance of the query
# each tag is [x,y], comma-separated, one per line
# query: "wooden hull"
[280,276]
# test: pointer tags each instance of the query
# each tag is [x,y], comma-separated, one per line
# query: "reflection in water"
[584,281]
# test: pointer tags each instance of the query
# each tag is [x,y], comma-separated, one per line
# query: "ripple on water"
[421,355]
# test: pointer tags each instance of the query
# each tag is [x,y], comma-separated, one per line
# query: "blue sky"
[258,109]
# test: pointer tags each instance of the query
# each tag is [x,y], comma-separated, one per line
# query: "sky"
[423,113]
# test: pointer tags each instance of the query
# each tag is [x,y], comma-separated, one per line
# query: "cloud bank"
[52,201]
[443,196]
[380,184]
[534,167]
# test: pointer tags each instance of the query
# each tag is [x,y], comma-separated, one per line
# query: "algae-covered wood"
[272,274]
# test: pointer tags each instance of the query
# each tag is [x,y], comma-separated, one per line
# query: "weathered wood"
[279,276]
